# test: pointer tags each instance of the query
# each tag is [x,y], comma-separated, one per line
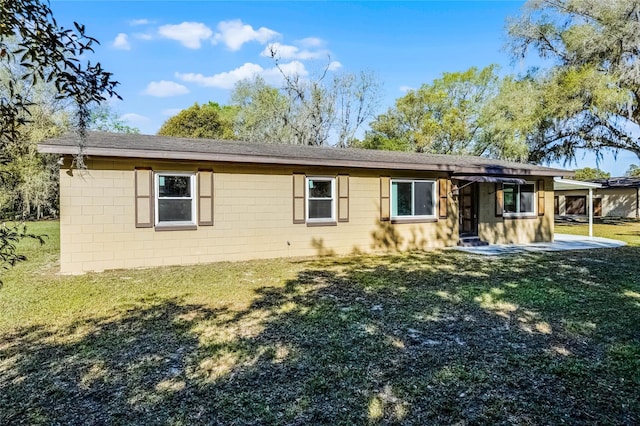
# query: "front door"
[468,209]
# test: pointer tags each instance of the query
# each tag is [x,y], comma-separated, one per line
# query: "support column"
[590,207]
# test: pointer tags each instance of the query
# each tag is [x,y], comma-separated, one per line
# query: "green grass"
[624,229]
[435,337]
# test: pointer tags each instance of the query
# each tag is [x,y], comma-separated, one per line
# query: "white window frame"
[518,213]
[156,196]
[413,195]
[307,198]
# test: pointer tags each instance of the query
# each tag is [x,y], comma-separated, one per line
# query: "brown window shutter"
[144,197]
[343,198]
[499,200]
[443,193]
[541,197]
[205,197]
[298,198]
[385,198]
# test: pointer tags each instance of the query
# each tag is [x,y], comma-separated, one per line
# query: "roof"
[560,184]
[102,144]
[619,182]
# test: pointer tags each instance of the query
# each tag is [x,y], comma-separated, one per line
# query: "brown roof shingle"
[163,147]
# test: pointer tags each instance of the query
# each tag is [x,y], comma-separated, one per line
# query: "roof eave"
[257,159]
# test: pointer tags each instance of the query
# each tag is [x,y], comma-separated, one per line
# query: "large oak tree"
[590,97]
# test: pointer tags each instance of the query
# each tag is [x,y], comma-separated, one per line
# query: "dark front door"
[468,209]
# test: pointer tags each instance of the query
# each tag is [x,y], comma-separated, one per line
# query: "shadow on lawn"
[421,338]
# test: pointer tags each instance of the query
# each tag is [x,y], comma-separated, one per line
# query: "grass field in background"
[623,230]
[437,337]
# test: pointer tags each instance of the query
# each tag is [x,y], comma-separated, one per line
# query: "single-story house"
[616,197]
[146,201]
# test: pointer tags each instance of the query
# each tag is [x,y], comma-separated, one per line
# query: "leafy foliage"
[447,116]
[633,171]
[588,173]
[262,112]
[201,121]
[34,48]
[102,118]
[592,93]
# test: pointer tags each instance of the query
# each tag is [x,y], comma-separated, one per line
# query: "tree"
[263,112]
[104,119]
[588,173]
[594,84]
[306,110]
[443,117]
[36,49]
[633,171]
[210,121]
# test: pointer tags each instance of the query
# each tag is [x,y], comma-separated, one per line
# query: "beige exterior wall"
[514,230]
[253,218]
[616,202]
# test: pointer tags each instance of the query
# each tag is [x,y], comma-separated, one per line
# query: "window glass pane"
[174,186]
[320,209]
[401,196]
[526,198]
[423,198]
[174,210]
[509,195]
[319,188]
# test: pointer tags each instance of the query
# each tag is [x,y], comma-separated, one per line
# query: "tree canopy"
[590,96]
[633,171]
[451,115]
[209,120]
[589,173]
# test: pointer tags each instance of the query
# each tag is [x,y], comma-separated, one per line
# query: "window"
[576,204]
[413,199]
[519,200]
[175,201]
[320,199]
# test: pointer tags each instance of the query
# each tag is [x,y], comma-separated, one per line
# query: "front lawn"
[437,337]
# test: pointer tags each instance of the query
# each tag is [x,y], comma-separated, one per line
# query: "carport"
[560,184]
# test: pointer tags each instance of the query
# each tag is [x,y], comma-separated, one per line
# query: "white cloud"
[285,51]
[334,65]
[164,89]
[190,34]
[134,118]
[223,80]
[226,80]
[170,112]
[143,36]
[234,34]
[274,75]
[136,22]
[311,42]
[121,42]
[405,89]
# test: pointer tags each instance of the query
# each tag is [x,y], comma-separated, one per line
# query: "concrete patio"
[561,242]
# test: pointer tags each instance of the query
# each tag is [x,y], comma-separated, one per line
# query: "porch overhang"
[560,184]
[490,179]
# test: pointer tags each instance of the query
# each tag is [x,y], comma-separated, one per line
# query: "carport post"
[590,207]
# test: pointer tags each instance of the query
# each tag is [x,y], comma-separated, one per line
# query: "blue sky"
[169,54]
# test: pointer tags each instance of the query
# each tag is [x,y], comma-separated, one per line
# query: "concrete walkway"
[561,242]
